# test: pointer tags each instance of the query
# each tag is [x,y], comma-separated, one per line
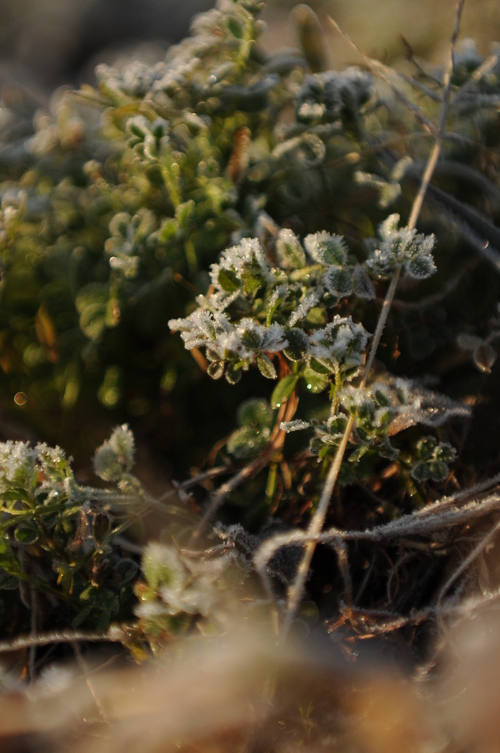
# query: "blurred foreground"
[249,695]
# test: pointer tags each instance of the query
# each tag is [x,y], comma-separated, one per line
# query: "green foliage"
[57,537]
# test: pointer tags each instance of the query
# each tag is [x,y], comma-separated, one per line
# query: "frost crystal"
[296,425]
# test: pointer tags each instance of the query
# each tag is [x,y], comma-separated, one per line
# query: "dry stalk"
[60,636]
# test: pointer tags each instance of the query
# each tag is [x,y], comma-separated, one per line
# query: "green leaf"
[315,382]
[266,366]
[316,317]
[168,229]
[438,470]
[289,250]
[247,442]
[215,369]
[26,533]
[426,448]
[297,344]
[228,280]
[283,390]
[233,374]
[91,303]
[235,28]
[358,453]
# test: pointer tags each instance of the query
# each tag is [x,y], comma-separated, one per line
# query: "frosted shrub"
[325,242]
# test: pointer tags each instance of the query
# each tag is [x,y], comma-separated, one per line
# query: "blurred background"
[46,43]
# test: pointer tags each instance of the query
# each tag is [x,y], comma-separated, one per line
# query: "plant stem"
[297,587]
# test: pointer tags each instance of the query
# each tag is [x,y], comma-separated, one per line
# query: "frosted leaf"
[421,472]
[362,285]
[304,307]
[266,367]
[389,191]
[18,463]
[106,463]
[280,292]
[297,425]
[381,393]
[467,56]
[123,443]
[198,598]
[328,95]
[114,458]
[310,111]
[53,463]
[389,226]
[338,281]
[326,248]
[248,255]
[421,267]
[274,338]
[308,149]
[201,328]
[298,344]
[336,425]
[400,168]
[342,341]
[433,458]
[289,250]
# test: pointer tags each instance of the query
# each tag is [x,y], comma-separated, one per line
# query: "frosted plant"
[115,457]
[382,411]
[289,303]
[402,247]
[57,536]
